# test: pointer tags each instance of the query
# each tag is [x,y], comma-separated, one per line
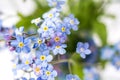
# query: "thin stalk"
[60,61]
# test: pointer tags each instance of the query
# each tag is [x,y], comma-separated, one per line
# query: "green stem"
[69,67]
[59,61]
[69,61]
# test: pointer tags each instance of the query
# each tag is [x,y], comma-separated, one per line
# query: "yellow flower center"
[37,20]
[71,22]
[50,15]
[21,44]
[63,29]
[37,69]
[39,41]
[48,73]
[45,28]
[57,47]
[42,58]
[27,62]
[57,39]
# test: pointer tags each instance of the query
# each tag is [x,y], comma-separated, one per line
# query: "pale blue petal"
[14,43]
[87,52]
[83,55]
[49,58]
[62,51]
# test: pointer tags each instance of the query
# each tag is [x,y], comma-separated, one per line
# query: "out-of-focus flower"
[116,61]
[82,49]
[107,53]
[56,3]
[90,73]
[117,46]
[72,77]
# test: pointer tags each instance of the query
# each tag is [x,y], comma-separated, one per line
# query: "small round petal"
[49,58]
[18,50]
[83,55]
[87,52]
[62,51]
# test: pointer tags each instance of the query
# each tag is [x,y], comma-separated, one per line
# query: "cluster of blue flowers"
[35,52]
[91,73]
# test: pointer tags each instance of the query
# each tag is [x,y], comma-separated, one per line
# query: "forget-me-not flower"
[72,22]
[49,73]
[21,44]
[19,31]
[43,58]
[53,13]
[47,29]
[37,21]
[56,3]
[59,49]
[82,49]
[38,42]
[116,61]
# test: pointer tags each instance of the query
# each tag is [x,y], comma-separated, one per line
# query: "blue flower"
[117,46]
[53,13]
[72,77]
[116,61]
[47,29]
[63,28]
[19,31]
[43,58]
[0,24]
[107,53]
[16,65]
[38,70]
[82,49]
[37,21]
[26,61]
[56,3]
[59,49]
[58,38]
[72,22]
[49,73]
[38,42]
[21,44]
[90,73]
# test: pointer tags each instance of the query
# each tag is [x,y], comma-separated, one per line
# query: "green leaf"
[77,69]
[100,29]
